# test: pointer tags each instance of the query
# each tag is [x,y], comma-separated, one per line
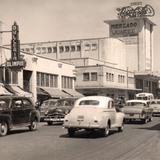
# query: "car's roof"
[100,98]
[137,100]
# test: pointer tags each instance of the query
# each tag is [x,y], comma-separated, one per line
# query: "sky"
[53,20]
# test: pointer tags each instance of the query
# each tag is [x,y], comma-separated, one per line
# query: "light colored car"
[138,110]
[156,107]
[92,113]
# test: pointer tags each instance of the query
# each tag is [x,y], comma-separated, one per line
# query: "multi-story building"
[119,65]
[40,77]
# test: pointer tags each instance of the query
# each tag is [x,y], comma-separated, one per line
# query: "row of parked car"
[90,113]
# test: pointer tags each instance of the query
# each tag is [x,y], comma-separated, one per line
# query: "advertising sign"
[124,28]
[15,43]
[16,59]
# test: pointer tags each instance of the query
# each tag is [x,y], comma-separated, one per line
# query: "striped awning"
[55,92]
[4,91]
[73,93]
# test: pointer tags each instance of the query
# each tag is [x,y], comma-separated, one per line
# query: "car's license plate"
[80,117]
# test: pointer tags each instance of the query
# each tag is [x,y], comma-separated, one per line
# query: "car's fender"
[6,118]
[119,118]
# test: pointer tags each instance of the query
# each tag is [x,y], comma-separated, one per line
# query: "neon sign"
[139,11]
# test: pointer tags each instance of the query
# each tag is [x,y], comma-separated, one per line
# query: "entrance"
[27,77]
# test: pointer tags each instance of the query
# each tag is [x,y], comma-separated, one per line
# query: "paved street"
[137,142]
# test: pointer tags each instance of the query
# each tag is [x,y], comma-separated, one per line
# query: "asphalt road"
[136,142]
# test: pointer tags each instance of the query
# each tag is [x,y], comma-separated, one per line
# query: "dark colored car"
[16,111]
[59,110]
[45,106]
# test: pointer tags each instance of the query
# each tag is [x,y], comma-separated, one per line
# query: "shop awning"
[42,92]
[56,93]
[17,90]
[4,91]
[73,93]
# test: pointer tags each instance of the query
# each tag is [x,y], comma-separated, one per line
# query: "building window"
[38,79]
[94,46]
[78,48]
[85,76]
[14,77]
[38,50]
[49,50]
[42,79]
[73,48]
[67,82]
[110,77]
[61,49]
[27,49]
[94,76]
[44,50]
[47,80]
[121,79]
[87,47]
[1,76]
[54,49]
[66,48]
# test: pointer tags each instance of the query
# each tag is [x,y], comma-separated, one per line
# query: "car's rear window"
[4,103]
[136,104]
[89,102]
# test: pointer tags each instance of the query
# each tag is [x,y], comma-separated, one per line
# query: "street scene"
[79,80]
[137,141]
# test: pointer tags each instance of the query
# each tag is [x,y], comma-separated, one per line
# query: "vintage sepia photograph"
[79,80]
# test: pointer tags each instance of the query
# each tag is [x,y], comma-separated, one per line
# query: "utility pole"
[0,42]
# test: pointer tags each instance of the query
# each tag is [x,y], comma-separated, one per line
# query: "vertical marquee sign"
[16,60]
[15,43]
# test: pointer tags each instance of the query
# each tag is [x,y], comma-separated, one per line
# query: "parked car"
[138,110]
[16,111]
[156,107]
[45,106]
[92,113]
[61,108]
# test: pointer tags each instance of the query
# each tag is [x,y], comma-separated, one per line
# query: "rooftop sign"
[135,10]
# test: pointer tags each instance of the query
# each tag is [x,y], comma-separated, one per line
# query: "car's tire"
[105,131]
[145,120]
[3,129]
[49,123]
[34,125]
[71,132]
[151,119]
[121,128]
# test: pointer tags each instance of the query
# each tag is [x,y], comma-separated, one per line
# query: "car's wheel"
[50,123]
[145,120]
[34,125]
[151,119]
[105,131]
[3,129]
[71,132]
[121,128]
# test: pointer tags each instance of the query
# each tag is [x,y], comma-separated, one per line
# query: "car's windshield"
[136,104]
[4,103]
[89,102]
[64,103]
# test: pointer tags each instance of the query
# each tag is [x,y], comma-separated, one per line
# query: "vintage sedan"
[92,113]
[156,107]
[17,112]
[138,110]
[45,106]
[57,113]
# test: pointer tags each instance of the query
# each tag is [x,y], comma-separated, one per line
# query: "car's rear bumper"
[156,113]
[50,119]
